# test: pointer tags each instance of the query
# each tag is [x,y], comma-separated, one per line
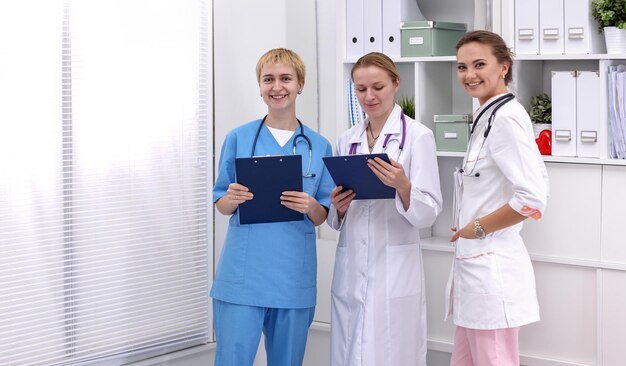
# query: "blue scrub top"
[270,264]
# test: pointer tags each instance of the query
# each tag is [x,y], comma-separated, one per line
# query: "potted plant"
[540,111]
[611,18]
[408,106]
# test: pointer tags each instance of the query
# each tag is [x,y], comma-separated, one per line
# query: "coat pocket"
[404,270]
[473,248]
[232,264]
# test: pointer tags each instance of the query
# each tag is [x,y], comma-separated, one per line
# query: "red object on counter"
[544,142]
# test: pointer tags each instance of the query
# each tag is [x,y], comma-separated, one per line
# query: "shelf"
[600,56]
[437,243]
[442,244]
[453,154]
[572,160]
[401,60]
[552,159]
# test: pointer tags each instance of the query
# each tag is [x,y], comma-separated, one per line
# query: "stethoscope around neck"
[301,135]
[354,145]
[496,104]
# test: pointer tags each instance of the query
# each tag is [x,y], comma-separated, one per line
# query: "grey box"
[430,38]
[452,132]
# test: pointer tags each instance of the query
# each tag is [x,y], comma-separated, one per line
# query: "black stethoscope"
[496,104]
[353,146]
[301,135]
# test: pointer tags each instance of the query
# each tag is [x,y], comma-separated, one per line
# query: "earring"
[503,76]
[299,92]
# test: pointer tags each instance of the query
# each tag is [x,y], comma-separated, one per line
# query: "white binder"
[354,28]
[395,12]
[527,27]
[581,30]
[372,26]
[588,114]
[564,139]
[551,25]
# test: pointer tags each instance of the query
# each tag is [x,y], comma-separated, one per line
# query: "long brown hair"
[498,47]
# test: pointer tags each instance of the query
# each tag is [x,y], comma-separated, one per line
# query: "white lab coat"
[492,284]
[378,314]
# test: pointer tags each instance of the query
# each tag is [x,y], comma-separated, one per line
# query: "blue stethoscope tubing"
[301,135]
[354,145]
[496,104]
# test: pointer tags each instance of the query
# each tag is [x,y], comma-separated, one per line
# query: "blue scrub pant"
[238,332]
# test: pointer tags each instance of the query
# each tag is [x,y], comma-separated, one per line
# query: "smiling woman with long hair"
[503,181]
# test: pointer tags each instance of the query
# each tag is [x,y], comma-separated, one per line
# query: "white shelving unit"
[578,250]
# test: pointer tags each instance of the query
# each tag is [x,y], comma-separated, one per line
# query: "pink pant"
[477,347]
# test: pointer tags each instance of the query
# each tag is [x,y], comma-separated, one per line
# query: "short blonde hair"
[282,55]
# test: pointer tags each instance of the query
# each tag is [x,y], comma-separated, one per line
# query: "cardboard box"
[452,132]
[430,38]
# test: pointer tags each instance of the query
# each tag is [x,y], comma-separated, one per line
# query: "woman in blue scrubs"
[266,276]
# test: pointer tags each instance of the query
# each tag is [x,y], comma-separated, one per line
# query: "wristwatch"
[479,232]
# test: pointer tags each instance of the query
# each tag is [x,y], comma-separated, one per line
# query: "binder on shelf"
[267,177]
[354,28]
[395,12]
[564,137]
[527,27]
[352,172]
[372,26]
[354,108]
[581,32]
[551,25]
[587,114]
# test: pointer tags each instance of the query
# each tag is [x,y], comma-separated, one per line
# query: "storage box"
[452,131]
[429,38]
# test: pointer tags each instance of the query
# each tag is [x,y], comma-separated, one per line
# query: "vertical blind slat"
[104,246]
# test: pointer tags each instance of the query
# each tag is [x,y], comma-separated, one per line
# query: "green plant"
[540,108]
[408,106]
[609,13]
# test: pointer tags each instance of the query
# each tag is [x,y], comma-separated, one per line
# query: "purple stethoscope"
[354,145]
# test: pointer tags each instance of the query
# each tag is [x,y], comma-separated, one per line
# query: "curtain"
[105,223]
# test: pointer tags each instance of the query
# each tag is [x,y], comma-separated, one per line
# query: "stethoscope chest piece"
[300,137]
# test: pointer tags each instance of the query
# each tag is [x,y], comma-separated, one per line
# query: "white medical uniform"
[492,284]
[378,314]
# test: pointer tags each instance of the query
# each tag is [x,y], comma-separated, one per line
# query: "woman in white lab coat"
[378,306]
[503,181]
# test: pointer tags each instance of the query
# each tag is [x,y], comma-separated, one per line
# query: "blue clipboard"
[352,172]
[267,177]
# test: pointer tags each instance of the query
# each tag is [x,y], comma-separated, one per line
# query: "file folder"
[395,12]
[354,28]
[267,177]
[551,24]
[551,15]
[352,172]
[581,33]
[372,26]
[588,114]
[527,27]
[564,139]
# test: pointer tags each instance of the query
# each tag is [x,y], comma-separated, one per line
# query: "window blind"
[105,222]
